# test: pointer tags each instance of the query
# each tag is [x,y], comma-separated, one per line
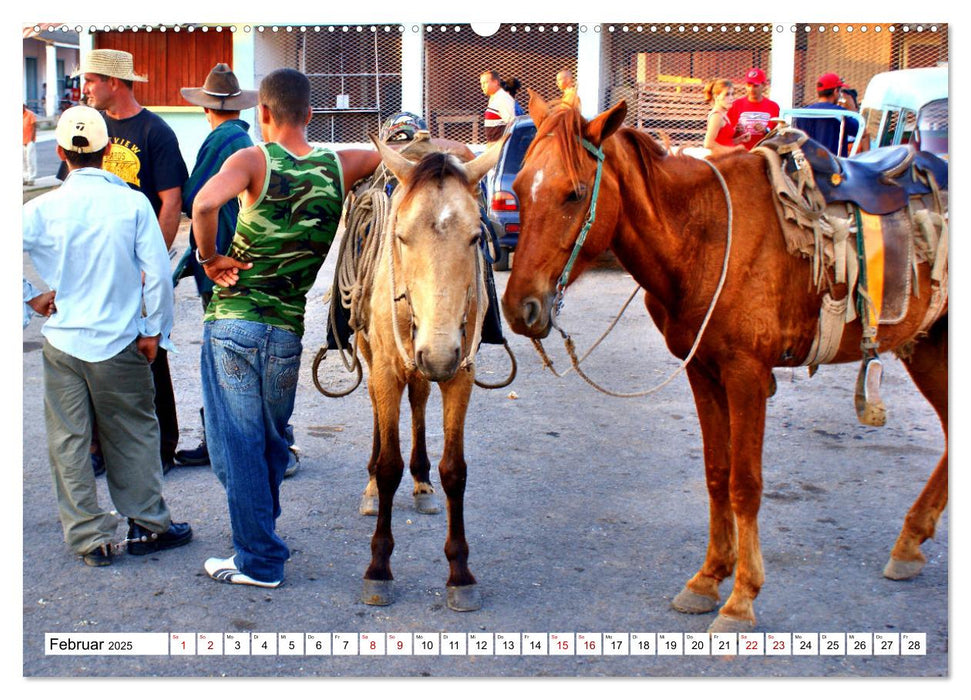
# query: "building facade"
[361,74]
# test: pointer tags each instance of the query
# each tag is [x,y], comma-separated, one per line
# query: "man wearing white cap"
[145,154]
[91,241]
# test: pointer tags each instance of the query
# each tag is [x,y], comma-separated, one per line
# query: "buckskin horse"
[665,217]
[423,321]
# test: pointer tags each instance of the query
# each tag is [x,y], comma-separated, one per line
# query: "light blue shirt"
[30,291]
[90,240]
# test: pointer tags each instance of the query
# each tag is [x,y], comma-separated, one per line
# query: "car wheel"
[502,260]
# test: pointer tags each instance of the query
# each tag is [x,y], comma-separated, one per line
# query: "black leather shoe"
[144,541]
[99,556]
[199,457]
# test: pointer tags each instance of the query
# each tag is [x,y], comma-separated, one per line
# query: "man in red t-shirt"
[752,113]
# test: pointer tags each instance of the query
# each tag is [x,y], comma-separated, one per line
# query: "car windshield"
[932,127]
[518,145]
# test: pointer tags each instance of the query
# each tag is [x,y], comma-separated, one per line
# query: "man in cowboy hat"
[97,363]
[145,154]
[222,100]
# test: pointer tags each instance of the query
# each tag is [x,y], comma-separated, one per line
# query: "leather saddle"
[880,181]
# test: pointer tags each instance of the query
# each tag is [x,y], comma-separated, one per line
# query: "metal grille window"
[661,70]
[857,52]
[455,57]
[354,72]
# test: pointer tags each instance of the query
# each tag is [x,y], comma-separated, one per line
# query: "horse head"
[559,191]
[436,260]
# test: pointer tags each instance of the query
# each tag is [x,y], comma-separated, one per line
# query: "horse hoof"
[687,601]
[369,505]
[874,414]
[427,503]
[902,570]
[464,598]
[724,623]
[377,592]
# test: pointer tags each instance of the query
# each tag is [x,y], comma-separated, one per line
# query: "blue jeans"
[249,381]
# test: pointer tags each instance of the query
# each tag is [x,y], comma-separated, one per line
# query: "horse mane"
[434,168]
[566,127]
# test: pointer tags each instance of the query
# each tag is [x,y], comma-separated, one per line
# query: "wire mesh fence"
[661,70]
[354,72]
[357,72]
[455,57]
[857,52]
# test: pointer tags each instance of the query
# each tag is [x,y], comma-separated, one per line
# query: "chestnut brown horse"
[427,298]
[665,217]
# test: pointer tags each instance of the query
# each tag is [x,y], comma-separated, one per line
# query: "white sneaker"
[225,571]
[293,465]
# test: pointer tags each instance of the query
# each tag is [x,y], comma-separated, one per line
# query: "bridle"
[561,283]
[475,292]
[557,302]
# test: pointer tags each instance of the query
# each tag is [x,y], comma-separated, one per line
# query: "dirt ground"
[585,513]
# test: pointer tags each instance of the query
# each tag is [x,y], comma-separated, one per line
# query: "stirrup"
[869,406]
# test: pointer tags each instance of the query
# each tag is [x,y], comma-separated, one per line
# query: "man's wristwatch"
[207,260]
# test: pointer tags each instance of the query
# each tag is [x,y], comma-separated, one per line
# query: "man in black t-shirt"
[145,154]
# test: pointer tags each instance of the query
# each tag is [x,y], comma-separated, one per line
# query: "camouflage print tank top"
[286,234]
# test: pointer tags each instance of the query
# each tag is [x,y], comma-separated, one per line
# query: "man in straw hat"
[222,101]
[96,364]
[145,154]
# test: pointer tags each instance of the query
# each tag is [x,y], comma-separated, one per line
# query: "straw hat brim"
[134,77]
[244,100]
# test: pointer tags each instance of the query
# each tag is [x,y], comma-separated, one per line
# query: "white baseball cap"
[82,129]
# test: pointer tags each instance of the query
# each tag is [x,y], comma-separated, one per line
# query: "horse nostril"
[531,311]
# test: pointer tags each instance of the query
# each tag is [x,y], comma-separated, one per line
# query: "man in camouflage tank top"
[291,195]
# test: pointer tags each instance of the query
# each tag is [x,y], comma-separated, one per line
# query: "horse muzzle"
[437,363]
[529,316]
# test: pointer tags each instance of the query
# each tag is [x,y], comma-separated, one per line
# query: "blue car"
[503,204]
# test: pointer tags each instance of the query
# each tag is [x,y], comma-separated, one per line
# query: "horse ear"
[538,109]
[401,167]
[485,162]
[603,125]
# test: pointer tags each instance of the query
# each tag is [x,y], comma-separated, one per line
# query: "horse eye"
[475,239]
[578,194]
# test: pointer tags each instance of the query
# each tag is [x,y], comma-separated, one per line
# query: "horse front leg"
[369,499]
[747,388]
[386,391]
[700,594]
[420,466]
[463,592]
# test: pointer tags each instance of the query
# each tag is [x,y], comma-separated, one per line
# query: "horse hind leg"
[700,593]
[420,466]
[462,589]
[927,365]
